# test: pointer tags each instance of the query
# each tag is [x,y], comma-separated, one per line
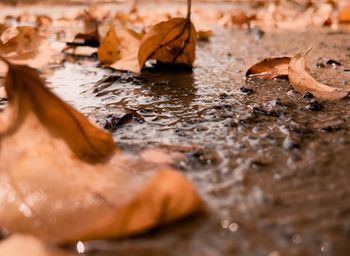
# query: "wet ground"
[272,164]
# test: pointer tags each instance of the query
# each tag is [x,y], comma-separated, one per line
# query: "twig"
[189,3]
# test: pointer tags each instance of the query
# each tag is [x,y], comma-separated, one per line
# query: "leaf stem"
[189,4]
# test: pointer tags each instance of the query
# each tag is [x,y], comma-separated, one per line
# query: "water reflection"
[185,238]
[169,96]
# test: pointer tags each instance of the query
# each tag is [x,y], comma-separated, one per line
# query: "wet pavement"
[271,164]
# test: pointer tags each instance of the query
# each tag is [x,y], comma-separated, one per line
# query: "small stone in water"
[314,106]
[263,112]
[308,95]
[333,62]
[296,239]
[233,227]
[113,121]
[246,90]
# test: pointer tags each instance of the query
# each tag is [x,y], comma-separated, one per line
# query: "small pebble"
[314,106]
[333,62]
[246,90]
[308,95]
[263,112]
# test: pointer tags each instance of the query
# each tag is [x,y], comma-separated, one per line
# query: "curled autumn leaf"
[172,41]
[270,68]
[128,63]
[19,40]
[120,51]
[108,52]
[60,172]
[24,45]
[303,82]
[26,91]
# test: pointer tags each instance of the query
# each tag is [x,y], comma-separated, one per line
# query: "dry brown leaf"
[46,188]
[83,43]
[129,63]
[19,40]
[86,140]
[172,41]
[91,39]
[137,35]
[119,51]
[3,27]
[24,45]
[270,68]
[344,14]
[109,52]
[43,20]
[303,82]
[237,18]
[204,35]
[19,245]
[240,18]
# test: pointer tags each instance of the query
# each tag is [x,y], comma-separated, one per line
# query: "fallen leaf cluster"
[122,39]
[297,71]
[172,41]
[288,14]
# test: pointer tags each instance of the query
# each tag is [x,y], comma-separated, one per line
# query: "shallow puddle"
[271,165]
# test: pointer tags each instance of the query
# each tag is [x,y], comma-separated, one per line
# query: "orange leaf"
[344,14]
[26,92]
[60,172]
[109,52]
[24,45]
[303,82]
[128,63]
[269,68]
[118,51]
[172,41]
[204,35]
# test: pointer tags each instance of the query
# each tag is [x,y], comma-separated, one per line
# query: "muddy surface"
[272,164]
